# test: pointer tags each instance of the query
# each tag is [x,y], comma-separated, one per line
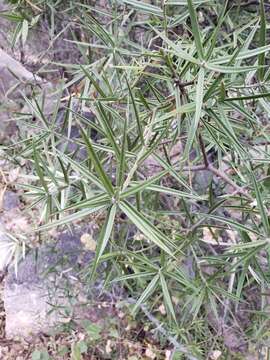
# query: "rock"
[10,201]
[4,247]
[47,287]
[41,50]
[6,27]
[14,80]
[234,340]
[13,74]
[201,181]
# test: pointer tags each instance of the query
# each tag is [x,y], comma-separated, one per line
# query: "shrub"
[171,107]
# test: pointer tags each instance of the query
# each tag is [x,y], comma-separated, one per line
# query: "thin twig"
[224,177]
[147,136]
[217,172]
[183,84]
[33,6]
[205,159]
[221,175]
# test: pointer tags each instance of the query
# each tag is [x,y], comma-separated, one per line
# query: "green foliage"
[40,355]
[203,90]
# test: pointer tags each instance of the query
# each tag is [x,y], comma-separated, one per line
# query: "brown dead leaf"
[210,239]
[215,354]
[232,236]
[149,353]
[88,242]
[162,309]
[108,347]
[2,192]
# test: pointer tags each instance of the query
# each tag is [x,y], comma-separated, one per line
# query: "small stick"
[205,159]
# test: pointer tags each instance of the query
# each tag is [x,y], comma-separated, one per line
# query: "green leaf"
[215,33]
[167,297]
[246,54]
[25,27]
[144,7]
[97,164]
[135,187]
[146,227]
[12,17]
[75,352]
[232,223]
[170,169]
[261,207]
[177,49]
[40,355]
[77,349]
[195,29]
[93,330]
[105,121]
[99,30]
[261,60]
[104,237]
[197,116]
[122,166]
[39,169]
[137,116]
[173,192]
[249,97]
[82,170]
[93,81]
[230,69]
[185,2]
[146,293]
[34,105]
[71,218]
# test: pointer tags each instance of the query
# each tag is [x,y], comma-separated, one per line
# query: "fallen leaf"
[139,236]
[232,235]
[168,355]
[65,320]
[108,348]
[149,353]
[162,309]
[210,239]
[2,192]
[88,242]
[215,354]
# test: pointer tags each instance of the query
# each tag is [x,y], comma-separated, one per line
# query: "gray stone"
[4,248]
[47,280]
[14,80]
[13,74]
[202,180]
[10,201]
[6,27]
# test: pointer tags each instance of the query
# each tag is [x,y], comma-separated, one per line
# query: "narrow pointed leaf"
[197,116]
[195,28]
[261,59]
[146,227]
[71,218]
[147,293]
[104,236]
[97,164]
[166,296]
